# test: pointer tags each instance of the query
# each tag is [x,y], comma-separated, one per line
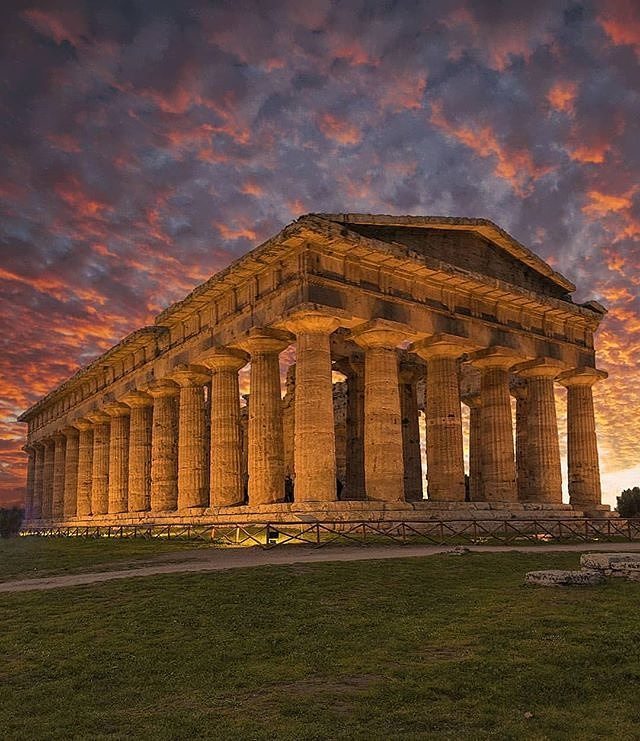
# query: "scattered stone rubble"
[595,568]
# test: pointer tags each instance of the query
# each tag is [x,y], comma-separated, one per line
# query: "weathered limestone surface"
[71,472]
[140,428]
[559,578]
[193,476]
[498,459]
[410,374]
[38,481]
[227,486]
[353,369]
[582,444]
[383,463]
[57,502]
[314,425]
[164,446]
[520,392]
[31,470]
[265,433]
[118,457]
[476,493]
[100,462]
[85,466]
[47,478]
[624,565]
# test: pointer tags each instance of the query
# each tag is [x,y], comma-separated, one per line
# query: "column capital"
[98,417]
[410,372]
[70,431]
[496,357]
[188,376]
[28,449]
[117,409]
[582,376]
[135,399]
[310,321]
[58,436]
[264,340]
[519,389]
[473,401]
[162,387]
[443,345]
[539,368]
[381,333]
[348,366]
[82,423]
[224,358]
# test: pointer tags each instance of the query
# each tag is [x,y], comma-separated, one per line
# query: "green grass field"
[438,647]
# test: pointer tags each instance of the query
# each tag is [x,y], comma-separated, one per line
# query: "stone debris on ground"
[595,567]
[562,578]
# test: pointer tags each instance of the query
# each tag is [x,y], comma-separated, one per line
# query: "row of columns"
[147,451]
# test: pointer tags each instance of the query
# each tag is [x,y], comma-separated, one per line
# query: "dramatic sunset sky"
[145,145]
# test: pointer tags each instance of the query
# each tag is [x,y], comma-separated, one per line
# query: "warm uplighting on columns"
[265,435]
[31,470]
[582,444]
[38,481]
[383,462]
[118,457]
[71,472]
[140,425]
[164,445]
[475,448]
[85,466]
[193,477]
[47,479]
[353,368]
[314,448]
[226,484]
[520,393]
[498,455]
[57,502]
[542,447]
[100,461]
[445,454]
[409,375]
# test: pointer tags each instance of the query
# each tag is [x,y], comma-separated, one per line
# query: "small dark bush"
[10,521]
[629,502]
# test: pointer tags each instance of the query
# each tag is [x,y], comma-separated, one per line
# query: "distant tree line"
[629,502]
[10,521]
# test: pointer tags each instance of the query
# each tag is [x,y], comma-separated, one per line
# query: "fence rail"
[320,534]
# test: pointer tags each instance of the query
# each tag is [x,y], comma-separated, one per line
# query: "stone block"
[624,565]
[560,578]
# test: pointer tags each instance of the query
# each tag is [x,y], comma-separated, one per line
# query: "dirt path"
[222,559]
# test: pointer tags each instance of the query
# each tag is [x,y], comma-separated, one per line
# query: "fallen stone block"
[560,578]
[624,565]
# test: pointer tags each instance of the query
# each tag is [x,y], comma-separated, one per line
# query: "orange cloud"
[339,129]
[605,203]
[562,95]
[237,232]
[620,21]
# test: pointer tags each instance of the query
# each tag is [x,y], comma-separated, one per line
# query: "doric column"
[475,448]
[70,472]
[31,466]
[85,466]
[164,445]
[582,444]
[383,463]
[520,392]
[498,460]
[314,451]
[57,502]
[226,484]
[542,447]
[100,462]
[353,369]
[36,512]
[47,479]
[118,457]
[193,477]
[410,374]
[266,446]
[140,428]
[445,455]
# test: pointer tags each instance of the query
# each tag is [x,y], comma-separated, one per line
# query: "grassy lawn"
[437,647]
[21,558]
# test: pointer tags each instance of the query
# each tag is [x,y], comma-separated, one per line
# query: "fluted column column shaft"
[476,493]
[582,444]
[140,434]
[193,476]
[164,447]
[31,465]
[71,473]
[226,487]
[314,427]
[57,502]
[36,513]
[85,468]
[522,456]
[498,461]
[118,457]
[47,480]
[410,436]
[100,464]
[355,487]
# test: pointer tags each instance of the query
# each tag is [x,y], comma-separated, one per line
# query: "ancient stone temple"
[396,322]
